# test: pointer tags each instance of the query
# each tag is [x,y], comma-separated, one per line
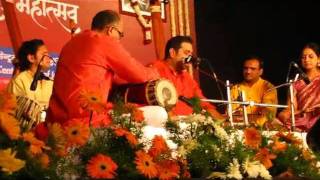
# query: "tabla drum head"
[166,93]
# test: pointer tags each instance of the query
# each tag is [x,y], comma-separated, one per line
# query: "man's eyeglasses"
[121,34]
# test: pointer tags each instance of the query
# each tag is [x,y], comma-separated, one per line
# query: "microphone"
[289,70]
[194,60]
[38,75]
[302,74]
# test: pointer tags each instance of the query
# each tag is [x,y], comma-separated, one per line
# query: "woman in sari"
[306,95]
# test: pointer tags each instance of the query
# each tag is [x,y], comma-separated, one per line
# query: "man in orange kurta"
[89,62]
[174,69]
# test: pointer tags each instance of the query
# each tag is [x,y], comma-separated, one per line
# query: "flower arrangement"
[215,151]
[78,150]
[205,148]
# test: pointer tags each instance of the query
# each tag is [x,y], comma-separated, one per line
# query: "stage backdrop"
[49,20]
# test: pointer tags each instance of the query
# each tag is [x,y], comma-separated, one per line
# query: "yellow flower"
[9,163]
[77,132]
[8,102]
[261,121]
[35,145]
[9,125]
[57,136]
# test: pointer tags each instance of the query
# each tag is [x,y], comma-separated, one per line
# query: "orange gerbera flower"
[9,125]
[138,115]
[168,169]
[145,164]
[35,145]
[120,131]
[101,166]
[129,136]
[131,139]
[265,157]
[92,101]
[252,138]
[159,146]
[44,160]
[8,102]
[279,146]
[290,138]
[77,132]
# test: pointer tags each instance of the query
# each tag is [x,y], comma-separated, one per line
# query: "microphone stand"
[214,77]
[293,121]
[244,103]
[229,104]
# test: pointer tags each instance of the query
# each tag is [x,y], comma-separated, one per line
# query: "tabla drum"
[28,112]
[160,92]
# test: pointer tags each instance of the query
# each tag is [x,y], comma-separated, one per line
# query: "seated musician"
[89,62]
[306,94]
[32,54]
[174,69]
[255,89]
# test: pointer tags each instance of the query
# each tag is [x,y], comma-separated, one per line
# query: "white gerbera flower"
[264,173]
[233,170]
[217,175]
[182,152]
[251,168]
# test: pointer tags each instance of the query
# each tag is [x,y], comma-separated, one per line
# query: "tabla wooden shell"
[28,112]
[160,92]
